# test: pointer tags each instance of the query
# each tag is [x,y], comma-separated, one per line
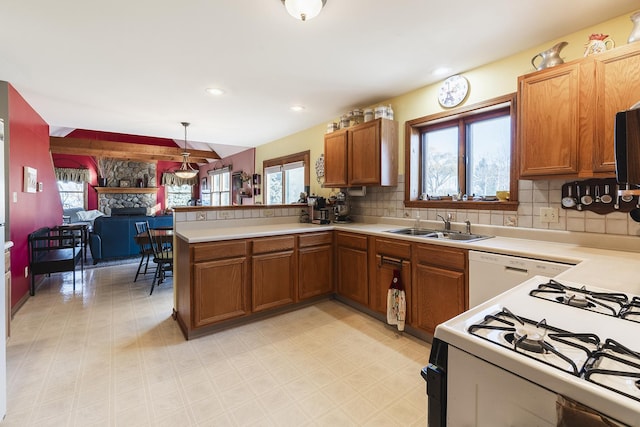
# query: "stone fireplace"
[130,184]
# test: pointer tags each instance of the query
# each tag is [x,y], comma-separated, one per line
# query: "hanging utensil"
[606,197]
[586,199]
[579,205]
[597,194]
[569,201]
[616,205]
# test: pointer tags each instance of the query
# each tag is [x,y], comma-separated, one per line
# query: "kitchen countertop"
[597,260]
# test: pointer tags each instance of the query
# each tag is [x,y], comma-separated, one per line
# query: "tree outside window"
[285,178]
[464,151]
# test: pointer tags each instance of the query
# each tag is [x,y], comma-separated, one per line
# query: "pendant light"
[304,9]
[185,171]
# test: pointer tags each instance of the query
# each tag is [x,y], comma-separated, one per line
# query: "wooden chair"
[162,257]
[146,251]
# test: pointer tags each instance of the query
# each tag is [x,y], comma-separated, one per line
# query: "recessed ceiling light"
[441,71]
[216,91]
[296,108]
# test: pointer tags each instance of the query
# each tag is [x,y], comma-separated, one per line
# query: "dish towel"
[396,302]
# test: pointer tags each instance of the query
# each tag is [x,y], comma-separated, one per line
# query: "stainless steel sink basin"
[437,234]
[412,231]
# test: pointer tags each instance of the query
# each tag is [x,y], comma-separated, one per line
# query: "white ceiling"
[142,66]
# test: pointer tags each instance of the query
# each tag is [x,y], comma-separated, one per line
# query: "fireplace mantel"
[126,190]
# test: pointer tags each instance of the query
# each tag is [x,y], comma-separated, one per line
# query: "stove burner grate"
[631,311]
[627,369]
[529,339]
[609,303]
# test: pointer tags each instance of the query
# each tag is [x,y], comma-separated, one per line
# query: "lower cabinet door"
[273,281]
[438,295]
[315,271]
[220,290]
[353,280]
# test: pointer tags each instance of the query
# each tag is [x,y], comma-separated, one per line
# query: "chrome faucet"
[447,222]
[468,231]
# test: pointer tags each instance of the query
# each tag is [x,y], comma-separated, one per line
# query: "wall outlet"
[201,216]
[549,215]
[268,213]
[26,271]
[225,215]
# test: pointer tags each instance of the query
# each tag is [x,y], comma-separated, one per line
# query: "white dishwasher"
[492,274]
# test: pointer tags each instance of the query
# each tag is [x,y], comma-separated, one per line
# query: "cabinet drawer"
[315,239]
[273,244]
[442,256]
[211,251]
[393,248]
[349,240]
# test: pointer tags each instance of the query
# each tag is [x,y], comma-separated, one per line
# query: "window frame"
[168,192]
[413,143]
[211,176]
[85,196]
[303,157]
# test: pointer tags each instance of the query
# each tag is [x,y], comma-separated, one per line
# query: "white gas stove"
[508,360]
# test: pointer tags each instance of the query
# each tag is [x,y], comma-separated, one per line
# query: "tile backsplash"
[389,202]
[532,195]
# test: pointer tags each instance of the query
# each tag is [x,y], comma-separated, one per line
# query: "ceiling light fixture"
[297,108]
[216,91]
[185,171]
[304,9]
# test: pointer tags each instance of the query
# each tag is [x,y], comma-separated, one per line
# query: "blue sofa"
[113,236]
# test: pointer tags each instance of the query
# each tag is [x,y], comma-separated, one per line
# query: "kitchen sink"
[412,231]
[439,234]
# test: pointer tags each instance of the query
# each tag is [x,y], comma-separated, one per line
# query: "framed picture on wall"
[30,180]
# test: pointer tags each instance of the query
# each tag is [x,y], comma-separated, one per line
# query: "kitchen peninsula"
[230,271]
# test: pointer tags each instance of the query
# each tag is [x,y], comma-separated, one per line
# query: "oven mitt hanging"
[396,302]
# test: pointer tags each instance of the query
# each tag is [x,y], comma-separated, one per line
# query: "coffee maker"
[319,210]
[341,208]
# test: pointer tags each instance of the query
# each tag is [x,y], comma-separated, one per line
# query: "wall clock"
[453,91]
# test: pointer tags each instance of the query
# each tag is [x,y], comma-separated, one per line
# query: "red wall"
[71,161]
[28,139]
[240,162]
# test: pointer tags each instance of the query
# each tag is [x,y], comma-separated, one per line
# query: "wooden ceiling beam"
[124,150]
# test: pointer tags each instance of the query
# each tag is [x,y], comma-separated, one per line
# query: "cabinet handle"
[519,270]
[391,261]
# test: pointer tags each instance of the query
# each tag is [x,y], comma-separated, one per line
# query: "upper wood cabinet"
[566,114]
[365,154]
[617,88]
[335,159]
[549,106]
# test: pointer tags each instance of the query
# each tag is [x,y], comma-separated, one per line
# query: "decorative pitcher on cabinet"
[550,57]
[635,32]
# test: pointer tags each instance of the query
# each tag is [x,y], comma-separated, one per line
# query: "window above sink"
[444,154]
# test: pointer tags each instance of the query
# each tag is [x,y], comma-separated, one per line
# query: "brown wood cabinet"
[390,255]
[352,267]
[213,280]
[617,88]
[273,281]
[365,154]
[439,287]
[335,159]
[315,264]
[566,114]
